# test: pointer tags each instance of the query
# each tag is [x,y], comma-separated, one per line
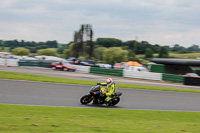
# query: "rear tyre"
[86,99]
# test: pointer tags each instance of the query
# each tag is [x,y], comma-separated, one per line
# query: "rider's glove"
[98,83]
[103,94]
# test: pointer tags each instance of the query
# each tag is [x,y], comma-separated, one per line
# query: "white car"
[136,68]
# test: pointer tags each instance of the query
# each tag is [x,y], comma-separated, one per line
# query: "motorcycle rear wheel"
[86,99]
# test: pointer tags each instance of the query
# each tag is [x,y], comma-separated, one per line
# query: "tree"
[98,53]
[84,35]
[52,44]
[66,53]
[193,48]
[61,49]
[114,55]
[48,52]
[163,53]
[109,42]
[20,51]
[155,48]
[148,53]
[141,47]
[129,44]
[90,42]
[177,47]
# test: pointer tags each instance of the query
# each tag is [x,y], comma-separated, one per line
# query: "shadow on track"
[100,106]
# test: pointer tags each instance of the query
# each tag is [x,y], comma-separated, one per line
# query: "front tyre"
[86,99]
[115,100]
[53,68]
[65,69]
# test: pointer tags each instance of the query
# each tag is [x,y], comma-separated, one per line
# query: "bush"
[21,51]
[48,52]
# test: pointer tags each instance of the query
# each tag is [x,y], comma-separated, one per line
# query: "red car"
[65,66]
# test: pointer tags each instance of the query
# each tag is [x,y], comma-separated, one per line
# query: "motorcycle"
[97,95]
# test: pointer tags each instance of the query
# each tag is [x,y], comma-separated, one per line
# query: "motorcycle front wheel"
[86,99]
[115,101]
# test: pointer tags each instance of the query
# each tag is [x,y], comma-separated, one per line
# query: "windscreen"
[66,63]
[95,88]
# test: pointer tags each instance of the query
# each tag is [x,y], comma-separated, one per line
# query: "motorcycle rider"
[111,87]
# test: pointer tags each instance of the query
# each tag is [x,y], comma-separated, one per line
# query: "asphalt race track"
[52,94]
[101,78]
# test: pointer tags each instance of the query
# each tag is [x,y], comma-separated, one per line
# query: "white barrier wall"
[142,75]
[82,69]
[9,62]
[12,62]
[2,62]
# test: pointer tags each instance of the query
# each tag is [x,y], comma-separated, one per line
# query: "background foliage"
[106,50]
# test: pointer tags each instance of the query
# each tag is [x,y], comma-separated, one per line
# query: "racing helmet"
[109,82]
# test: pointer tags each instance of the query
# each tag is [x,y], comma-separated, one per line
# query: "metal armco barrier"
[192,81]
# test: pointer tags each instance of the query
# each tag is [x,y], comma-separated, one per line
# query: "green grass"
[176,55]
[184,55]
[33,77]
[43,119]
[172,55]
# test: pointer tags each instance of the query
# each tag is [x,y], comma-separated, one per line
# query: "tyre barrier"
[192,81]
[172,78]
[36,63]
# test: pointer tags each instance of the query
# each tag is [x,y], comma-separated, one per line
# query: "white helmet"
[109,81]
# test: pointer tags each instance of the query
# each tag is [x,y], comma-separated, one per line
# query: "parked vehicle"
[107,66]
[136,68]
[96,96]
[191,75]
[118,66]
[65,66]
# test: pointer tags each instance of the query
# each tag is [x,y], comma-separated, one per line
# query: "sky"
[163,22]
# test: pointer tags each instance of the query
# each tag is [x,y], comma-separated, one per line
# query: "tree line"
[32,46]
[107,50]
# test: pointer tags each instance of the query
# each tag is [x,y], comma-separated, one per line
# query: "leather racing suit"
[111,90]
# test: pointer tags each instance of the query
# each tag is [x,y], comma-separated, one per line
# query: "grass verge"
[42,119]
[41,78]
